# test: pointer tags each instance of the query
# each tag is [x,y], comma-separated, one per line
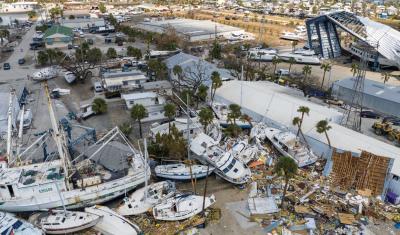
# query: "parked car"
[7,49]
[21,61]
[369,114]
[334,101]
[6,66]
[70,46]
[394,120]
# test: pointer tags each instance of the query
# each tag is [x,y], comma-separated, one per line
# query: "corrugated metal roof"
[373,88]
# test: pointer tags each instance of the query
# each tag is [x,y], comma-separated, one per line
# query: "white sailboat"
[289,145]
[112,223]
[145,198]
[182,207]
[60,222]
[9,224]
[81,183]
[207,151]
[182,171]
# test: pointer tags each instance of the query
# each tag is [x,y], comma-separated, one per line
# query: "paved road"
[21,51]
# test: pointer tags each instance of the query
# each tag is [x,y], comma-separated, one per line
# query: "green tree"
[112,20]
[291,62]
[42,58]
[354,68]
[287,168]
[83,61]
[55,12]
[206,116]
[275,61]
[4,33]
[216,83]
[102,8]
[134,52]
[172,145]
[126,128]
[306,72]
[99,106]
[234,112]
[178,72]
[139,112]
[323,127]
[385,77]
[169,112]
[326,67]
[32,14]
[159,68]
[303,110]
[215,52]
[201,94]
[111,53]
[51,55]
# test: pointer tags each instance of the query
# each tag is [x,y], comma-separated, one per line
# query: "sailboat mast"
[57,137]
[187,126]
[145,167]
[21,127]
[61,198]
[9,125]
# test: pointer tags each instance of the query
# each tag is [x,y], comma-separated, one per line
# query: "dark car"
[21,61]
[394,120]
[70,46]
[369,114]
[6,66]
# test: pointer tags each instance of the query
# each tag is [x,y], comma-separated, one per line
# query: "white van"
[98,87]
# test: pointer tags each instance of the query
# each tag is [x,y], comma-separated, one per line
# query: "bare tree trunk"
[284,192]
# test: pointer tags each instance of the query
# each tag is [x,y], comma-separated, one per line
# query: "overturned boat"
[145,198]
[9,225]
[207,151]
[182,171]
[182,207]
[288,144]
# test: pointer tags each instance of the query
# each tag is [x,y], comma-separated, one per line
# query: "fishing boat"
[9,225]
[182,207]
[62,222]
[145,198]
[266,54]
[222,111]
[182,171]
[111,222]
[102,172]
[301,56]
[289,145]
[207,151]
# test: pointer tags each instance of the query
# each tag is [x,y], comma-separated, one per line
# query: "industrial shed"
[383,98]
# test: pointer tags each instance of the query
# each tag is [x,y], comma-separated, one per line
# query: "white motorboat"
[235,37]
[45,74]
[214,131]
[289,145]
[262,54]
[182,171]
[69,77]
[222,111]
[139,202]
[301,56]
[292,36]
[207,151]
[112,223]
[258,131]
[9,225]
[62,222]
[250,153]
[182,207]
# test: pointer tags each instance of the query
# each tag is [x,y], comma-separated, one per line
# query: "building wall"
[146,102]
[384,106]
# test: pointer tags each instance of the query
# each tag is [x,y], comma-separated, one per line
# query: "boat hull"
[76,198]
[74,229]
[185,177]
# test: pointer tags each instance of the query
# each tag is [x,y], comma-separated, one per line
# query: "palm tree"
[287,168]
[139,112]
[385,77]
[306,72]
[291,62]
[169,112]
[303,110]
[201,94]
[216,83]
[275,61]
[234,112]
[354,68]
[99,106]
[206,116]
[177,70]
[326,67]
[323,127]
[4,33]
